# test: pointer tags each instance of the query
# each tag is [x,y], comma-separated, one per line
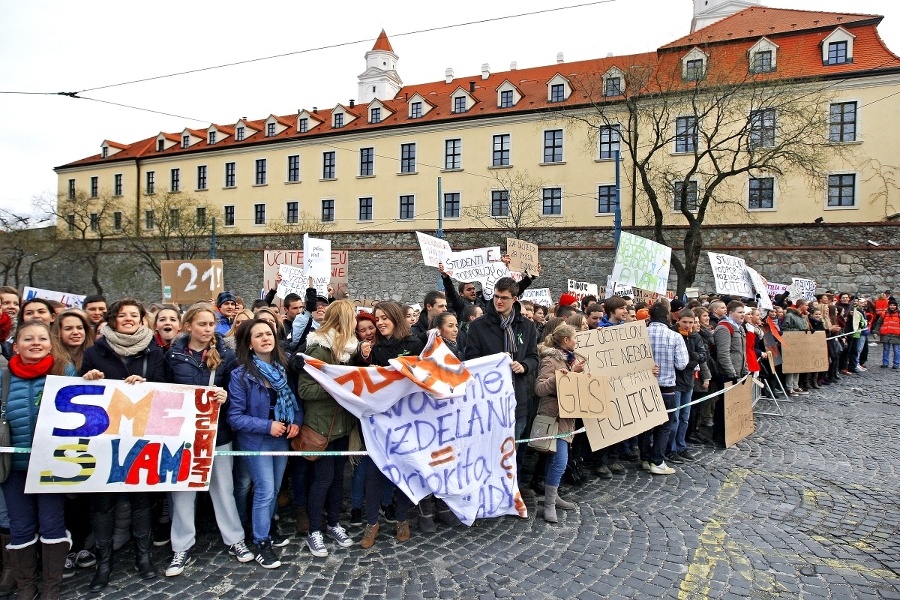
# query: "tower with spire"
[380,79]
[707,12]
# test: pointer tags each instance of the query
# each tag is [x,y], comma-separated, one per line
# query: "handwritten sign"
[802,288]
[292,281]
[729,274]
[642,263]
[580,289]
[316,257]
[804,352]
[468,259]
[189,281]
[760,287]
[111,436]
[739,413]
[523,256]
[486,274]
[582,395]
[434,250]
[272,259]
[540,296]
[70,300]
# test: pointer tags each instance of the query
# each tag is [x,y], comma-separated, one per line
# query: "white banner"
[468,259]
[434,250]
[802,288]
[538,296]
[434,425]
[111,436]
[642,263]
[70,300]
[580,289]
[760,287]
[729,273]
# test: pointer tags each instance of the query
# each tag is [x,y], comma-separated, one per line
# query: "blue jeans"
[679,421]
[266,473]
[242,483]
[855,347]
[556,465]
[31,514]
[886,350]
[653,443]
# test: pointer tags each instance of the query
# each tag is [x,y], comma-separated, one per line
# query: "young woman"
[166,324]
[578,321]
[73,331]
[557,354]
[335,343]
[448,329]
[37,309]
[31,514]
[200,358]
[411,315]
[393,340]
[264,414]
[125,351]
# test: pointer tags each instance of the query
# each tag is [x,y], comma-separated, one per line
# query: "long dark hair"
[245,354]
[397,316]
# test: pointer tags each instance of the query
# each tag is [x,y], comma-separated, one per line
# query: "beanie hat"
[567,300]
[224,297]
[676,305]
[643,314]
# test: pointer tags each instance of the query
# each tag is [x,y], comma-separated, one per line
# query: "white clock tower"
[707,12]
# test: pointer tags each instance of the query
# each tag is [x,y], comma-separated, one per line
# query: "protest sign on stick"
[729,274]
[110,436]
[523,256]
[434,250]
[775,289]
[642,263]
[804,352]
[739,413]
[317,263]
[189,281]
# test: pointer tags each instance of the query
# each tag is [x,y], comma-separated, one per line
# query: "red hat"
[567,300]
[642,314]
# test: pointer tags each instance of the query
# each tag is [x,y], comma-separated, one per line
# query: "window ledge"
[459,170]
[260,184]
[230,187]
[756,210]
[608,160]
[365,176]
[201,190]
[328,179]
[551,164]
[605,214]
[855,207]
[500,167]
[117,195]
[365,220]
[409,173]
[687,153]
[848,143]
[292,182]
[546,216]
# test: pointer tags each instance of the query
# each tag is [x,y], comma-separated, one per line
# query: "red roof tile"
[382,43]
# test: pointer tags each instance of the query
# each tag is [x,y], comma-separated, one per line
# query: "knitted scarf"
[18,368]
[509,338]
[125,344]
[286,405]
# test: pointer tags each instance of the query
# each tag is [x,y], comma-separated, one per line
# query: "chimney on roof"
[315,109]
[471,87]
[448,75]
[485,70]
[352,102]
[609,55]
[513,66]
[559,58]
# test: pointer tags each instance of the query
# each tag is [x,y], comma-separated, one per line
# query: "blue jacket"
[185,368]
[223,324]
[248,409]
[22,406]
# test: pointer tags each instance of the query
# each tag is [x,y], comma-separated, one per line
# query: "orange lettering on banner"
[360,378]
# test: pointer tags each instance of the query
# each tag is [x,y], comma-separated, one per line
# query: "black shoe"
[603,472]
[674,458]
[356,517]
[265,555]
[389,513]
[537,485]
[686,455]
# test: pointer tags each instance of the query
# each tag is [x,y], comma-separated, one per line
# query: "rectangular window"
[499,203]
[365,209]
[328,165]
[95,187]
[451,205]
[117,184]
[175,180]
[229,215]
[185,141]
[606,199]
[293,168]
[117,221]
[259,214]
[160,145]
[459,104]
[201,177]
[552,201]
[842,122]
[609,141]
[375,115]
[557,92]
[691,195]
[693,70]
[327,211]
[407,207]
[366,162]
[239,134]
[841,190]
[506,99]
[71,189]
[407,158]
[612,86]
[151,183]
[338,120]
[200,216]
[762,128]
[837,53]
[270,129]
[149,219]
[685,134]
[453,154]
[553,146]
[293,212]
[303,125]
[762,193]
[95,222]
[762,62]
[212,137]
[415,110]
[174,218]
[70,221]
[260,171]
[501,150]
[230,175]
[104,152]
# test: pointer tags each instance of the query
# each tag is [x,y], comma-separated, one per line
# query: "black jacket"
[148,363]
[697,353]
[387,348]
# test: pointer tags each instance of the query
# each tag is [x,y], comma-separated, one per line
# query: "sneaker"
[403,531]
[85,559]
[603,472]
[356,517]
[339,535]
[265,555]
[162,533]
[69,568]
[645,465]
[801,392]
[686,455]
[673,457]
[278,540]
[316,544]
[617,468]
[661,469]
[389,513]
[179,561]
[862,368]
[240,551]
[708,423]
[369,535]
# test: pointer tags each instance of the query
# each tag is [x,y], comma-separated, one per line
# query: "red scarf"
[23,371]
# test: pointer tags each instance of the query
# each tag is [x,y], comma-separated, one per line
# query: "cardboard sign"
[272,259]
[539,296]
[804,352]
[729,273]
[364,302]
[523,256]
[581,395]
[739,413]
[111,436]
[580,289]
[70,300]
[642,263]
[434,250]
[189,281]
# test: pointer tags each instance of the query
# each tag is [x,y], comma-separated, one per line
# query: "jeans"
[791,382]
[655,441]
[358,489]
[327,490]
[30,514]
[242,483]
[300,469]
[856,346]
[376,484]
[679,420]
[886,350]
[266,473]
[556,465]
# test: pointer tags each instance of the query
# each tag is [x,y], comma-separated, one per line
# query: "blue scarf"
[286,405]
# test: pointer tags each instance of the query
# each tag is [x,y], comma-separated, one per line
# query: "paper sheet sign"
[189,281]
[523,256]
[434,250]
[539,296]
[729,274]
[642,263]
[580,289]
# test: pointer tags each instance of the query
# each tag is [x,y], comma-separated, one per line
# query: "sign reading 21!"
[189,281]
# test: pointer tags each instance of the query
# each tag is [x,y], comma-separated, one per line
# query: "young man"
[594,314]
[684,387]
[293,306]
[95,307]
[616,312]
[435,303]
[226,308]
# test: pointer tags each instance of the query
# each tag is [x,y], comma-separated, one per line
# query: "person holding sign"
[36,356]
[557,354]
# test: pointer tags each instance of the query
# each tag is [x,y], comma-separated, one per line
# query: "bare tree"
[516,203]
[305,222]
[690,143]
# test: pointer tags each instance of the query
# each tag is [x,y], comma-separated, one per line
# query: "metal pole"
[617,219]
[440,230]
[212,240]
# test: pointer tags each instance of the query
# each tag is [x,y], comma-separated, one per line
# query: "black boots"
[142,529]
[7,580]
[103,524]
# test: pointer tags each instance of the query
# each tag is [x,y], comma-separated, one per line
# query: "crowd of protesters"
[251,356]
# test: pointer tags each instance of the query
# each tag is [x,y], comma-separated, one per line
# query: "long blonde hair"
[340,317]
[76,354]
[213,358]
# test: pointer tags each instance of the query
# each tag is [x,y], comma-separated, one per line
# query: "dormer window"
[415,110]
[160,145]
[185,141]
[612,86]
[375,115]
[837,48]
[303,125]
[558,89]
[338,120]
[459,104]
[104,152]
[270,129]
[557,92]
[239,134]
[212,137]
[837,53]
[506,99]
[693,70]
[762,62]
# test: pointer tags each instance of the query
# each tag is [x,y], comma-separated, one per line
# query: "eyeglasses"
[503,298]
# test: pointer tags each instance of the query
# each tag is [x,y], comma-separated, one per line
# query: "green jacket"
[319,408]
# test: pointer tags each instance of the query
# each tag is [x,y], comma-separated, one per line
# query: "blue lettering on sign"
[119,471]
[96,420]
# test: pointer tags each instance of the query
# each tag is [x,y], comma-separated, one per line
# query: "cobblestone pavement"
[807,507]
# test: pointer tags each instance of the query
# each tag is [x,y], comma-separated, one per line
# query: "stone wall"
[388,265]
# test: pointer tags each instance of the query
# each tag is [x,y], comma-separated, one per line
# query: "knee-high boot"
[24,560]
[103,524]
[7,581]
[53,559]
[142,529]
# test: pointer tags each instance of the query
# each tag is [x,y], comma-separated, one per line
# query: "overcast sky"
[63,46]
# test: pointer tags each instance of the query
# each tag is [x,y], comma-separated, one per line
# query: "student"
[166,325]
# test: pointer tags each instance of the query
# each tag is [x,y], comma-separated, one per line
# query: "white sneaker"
[661,469]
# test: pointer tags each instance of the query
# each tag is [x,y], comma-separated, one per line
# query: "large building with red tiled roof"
[375,163]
